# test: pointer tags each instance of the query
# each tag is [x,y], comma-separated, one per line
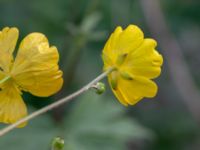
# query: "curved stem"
[55,104]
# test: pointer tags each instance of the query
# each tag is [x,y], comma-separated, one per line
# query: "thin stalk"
[55,104]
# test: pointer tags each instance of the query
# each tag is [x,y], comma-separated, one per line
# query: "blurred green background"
[79,29]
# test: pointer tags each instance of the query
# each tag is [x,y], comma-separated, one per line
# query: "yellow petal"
[109,53]
[2,75]
[132,91]
[129,39]
[144,61]
[117,93]
[122,42]
[12,107]
[3,79]
[123,99]
[8,40]
[36,66]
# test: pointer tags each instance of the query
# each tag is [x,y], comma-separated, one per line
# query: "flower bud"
[100,87]
[58,143]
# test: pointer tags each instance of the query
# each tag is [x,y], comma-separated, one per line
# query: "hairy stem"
[55,104]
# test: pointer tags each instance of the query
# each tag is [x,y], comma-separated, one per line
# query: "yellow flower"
[135,62]
[35,69]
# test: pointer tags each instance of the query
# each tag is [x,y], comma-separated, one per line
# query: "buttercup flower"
[35,69]
[135,62]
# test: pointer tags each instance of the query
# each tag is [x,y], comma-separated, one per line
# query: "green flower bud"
[100,87]
[58,143]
